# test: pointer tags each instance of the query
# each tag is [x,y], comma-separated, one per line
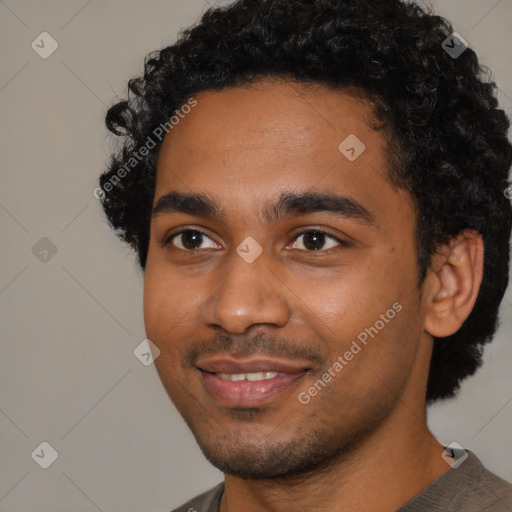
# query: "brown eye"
[190,240]
[316,240]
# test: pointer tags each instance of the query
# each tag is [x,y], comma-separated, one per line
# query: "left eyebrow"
[290,204]
[287,205]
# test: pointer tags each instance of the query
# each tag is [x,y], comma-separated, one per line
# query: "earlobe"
[454,283]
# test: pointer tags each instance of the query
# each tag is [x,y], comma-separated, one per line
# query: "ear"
[453,283]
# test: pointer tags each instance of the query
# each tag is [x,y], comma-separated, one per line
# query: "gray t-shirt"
[468,488]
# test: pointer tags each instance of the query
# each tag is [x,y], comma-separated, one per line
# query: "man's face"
[244,336]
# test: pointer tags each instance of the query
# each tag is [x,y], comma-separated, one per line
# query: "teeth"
[255,376]
[252,377]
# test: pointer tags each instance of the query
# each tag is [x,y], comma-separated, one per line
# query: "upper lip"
[230,365]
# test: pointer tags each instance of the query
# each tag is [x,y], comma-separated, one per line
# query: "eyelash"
[168,240]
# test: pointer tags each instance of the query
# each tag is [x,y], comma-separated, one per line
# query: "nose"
[248,294]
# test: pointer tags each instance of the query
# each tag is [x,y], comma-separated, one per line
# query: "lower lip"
[246,393]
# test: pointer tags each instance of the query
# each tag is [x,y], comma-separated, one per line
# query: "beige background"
[68,375]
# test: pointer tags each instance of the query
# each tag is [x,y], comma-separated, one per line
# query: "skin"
[361,443]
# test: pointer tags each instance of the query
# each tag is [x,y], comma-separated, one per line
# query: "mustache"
[259,343]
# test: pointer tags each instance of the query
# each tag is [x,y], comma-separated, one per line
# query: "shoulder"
[492,493]
[207,502]
[470,487]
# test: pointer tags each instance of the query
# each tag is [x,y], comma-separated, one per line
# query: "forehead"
[283,116]
[246,144]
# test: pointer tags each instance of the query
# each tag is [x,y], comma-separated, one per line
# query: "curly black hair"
[448,145]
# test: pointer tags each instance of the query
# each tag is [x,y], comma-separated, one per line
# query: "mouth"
[250,382]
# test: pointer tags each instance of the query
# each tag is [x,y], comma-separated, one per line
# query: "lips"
[253,365]
[249,382]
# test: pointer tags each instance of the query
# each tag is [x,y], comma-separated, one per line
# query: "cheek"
[171,307]
[161,304]
[163,310]
[351,297]
[373,303]
[152,302]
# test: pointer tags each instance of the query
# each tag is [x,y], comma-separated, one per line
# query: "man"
[315,190]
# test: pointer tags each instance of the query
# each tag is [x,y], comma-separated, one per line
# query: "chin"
[272,460]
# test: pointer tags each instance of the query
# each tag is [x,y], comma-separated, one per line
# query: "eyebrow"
[287,205]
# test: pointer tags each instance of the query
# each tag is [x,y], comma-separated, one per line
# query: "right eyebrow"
[192,204]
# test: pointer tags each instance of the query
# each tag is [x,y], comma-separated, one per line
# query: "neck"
[385,471]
